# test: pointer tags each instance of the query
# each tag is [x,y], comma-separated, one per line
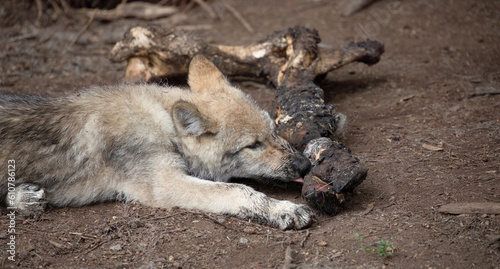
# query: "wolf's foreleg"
[223,198]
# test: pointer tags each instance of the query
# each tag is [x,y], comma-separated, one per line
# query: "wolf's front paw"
[287,215]
[28,198]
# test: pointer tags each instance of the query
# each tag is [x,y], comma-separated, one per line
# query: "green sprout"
[385,249]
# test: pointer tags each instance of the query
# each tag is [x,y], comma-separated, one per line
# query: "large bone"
[292,61]
[157,52]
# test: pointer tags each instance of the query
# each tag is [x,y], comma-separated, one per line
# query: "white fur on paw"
[287,215]
[29,198]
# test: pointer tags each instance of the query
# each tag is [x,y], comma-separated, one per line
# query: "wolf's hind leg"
[27,197]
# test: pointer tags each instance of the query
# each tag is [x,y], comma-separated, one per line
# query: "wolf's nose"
[301,164]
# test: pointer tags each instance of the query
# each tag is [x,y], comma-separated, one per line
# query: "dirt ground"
[436,85]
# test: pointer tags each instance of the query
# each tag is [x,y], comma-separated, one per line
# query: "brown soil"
[429,89]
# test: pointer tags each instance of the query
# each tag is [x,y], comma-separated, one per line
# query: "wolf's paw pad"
[28,198]
[293,216]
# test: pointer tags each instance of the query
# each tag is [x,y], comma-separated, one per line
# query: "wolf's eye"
[254,145]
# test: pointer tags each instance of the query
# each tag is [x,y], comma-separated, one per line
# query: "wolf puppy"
[160,146]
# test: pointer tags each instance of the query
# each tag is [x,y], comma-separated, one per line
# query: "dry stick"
[85,27]
[41,258]
[60,12]
[470,208]
[207,8]
[483,94]
[193,27]
[86,237]
[65,6]
[215,221]
[288,258]
[353,6]
[55,244]
[176,230]
[22,37]
[165,217]
[368,208]
[95,247]
[305,238]
[139,10]
[239,17]
[56,7]
[39,8]
[190,5]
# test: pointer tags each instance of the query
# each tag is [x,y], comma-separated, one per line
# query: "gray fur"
[159,146]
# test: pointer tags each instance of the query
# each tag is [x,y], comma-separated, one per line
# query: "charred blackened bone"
[333,176]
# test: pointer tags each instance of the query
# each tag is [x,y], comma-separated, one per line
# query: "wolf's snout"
[301,164]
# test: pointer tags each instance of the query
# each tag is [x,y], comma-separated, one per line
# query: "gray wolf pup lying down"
[161,146]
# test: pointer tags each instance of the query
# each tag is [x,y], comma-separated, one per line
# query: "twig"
[28,229]
[193,27]
[22,37]
[55,244]
[207,8]
[66,8]
[58,11]
[432,148]
[239,17]
[39,8]
[86,237]
[85,27]
[470,208]
[368,208]
[40,257]
[139,10]
[176,230]
[215,221]
[165,217]
[95,247]
[353,6]
[43,41]
[188,7]
[288,258]
[305,238]
[483,94]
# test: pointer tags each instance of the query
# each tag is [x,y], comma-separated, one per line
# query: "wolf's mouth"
[299,180]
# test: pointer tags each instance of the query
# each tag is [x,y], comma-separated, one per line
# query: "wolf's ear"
[189,121]
[204,75]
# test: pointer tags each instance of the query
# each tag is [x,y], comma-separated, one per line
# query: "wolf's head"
[224,134]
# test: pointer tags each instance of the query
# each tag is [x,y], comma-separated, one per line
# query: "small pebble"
[322,244]
[249,230]
[116,247]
